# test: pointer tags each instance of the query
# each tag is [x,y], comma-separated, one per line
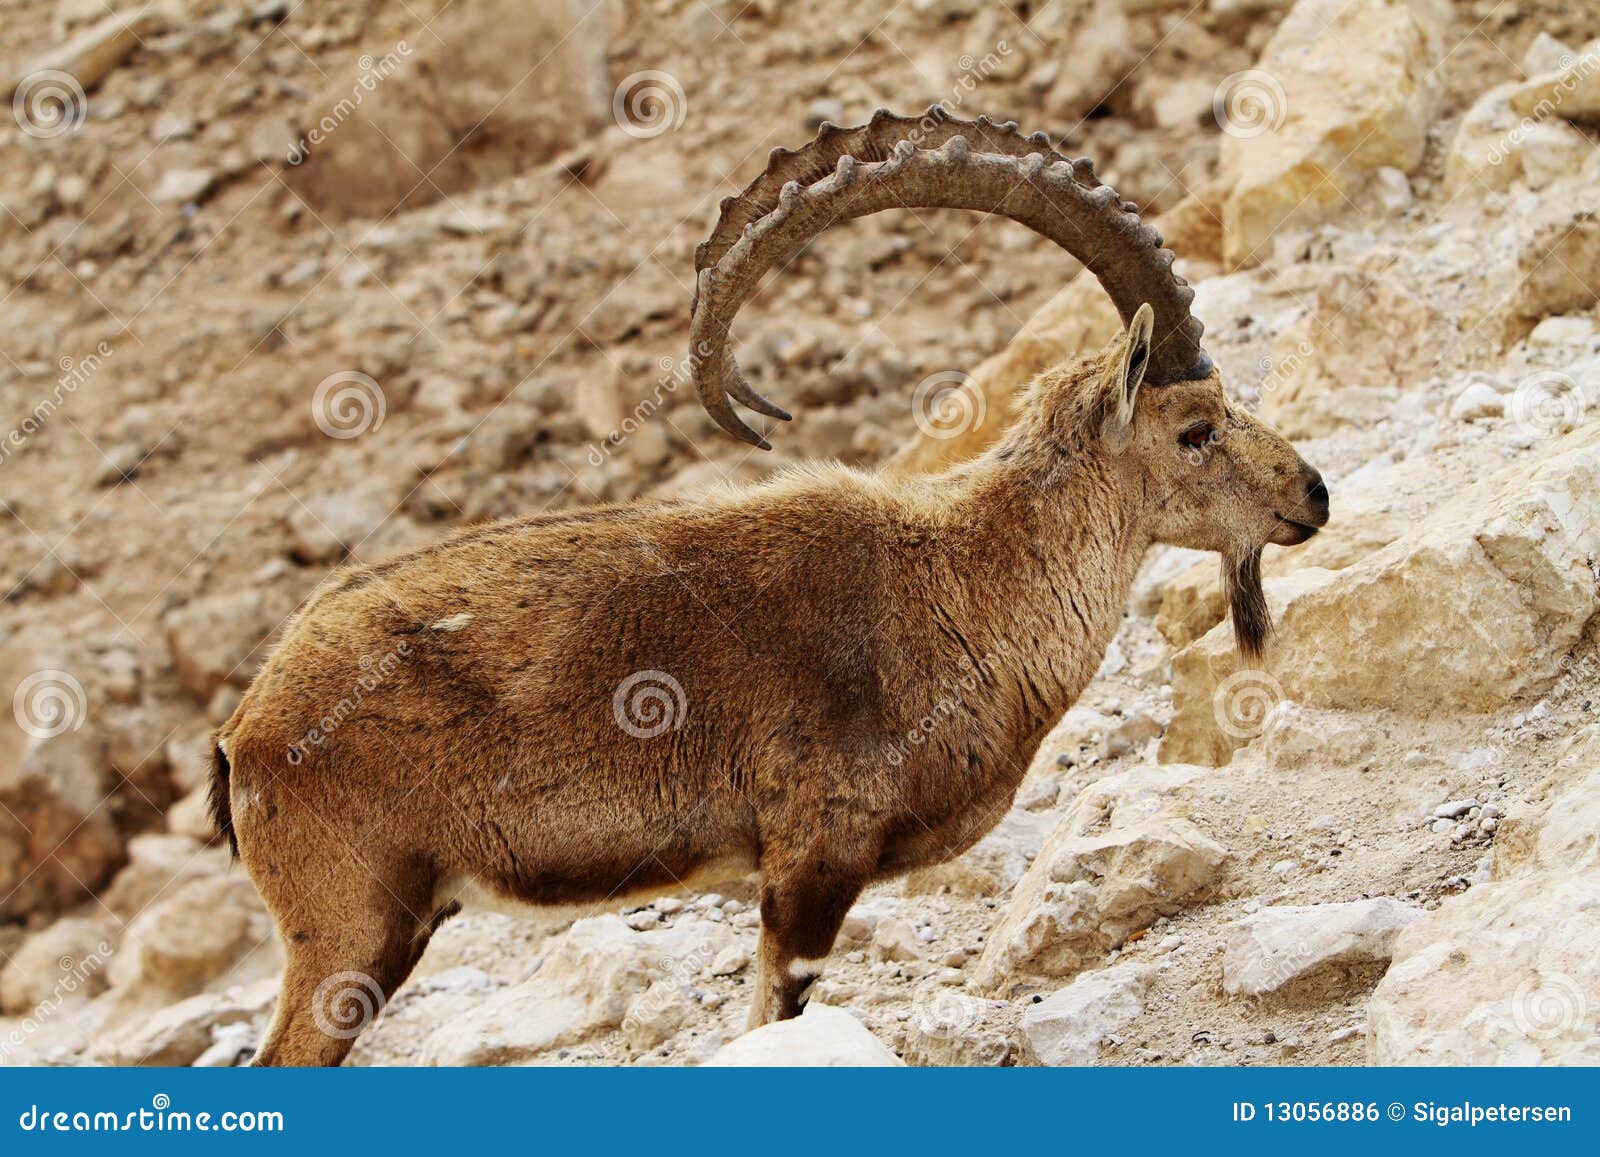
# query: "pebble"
[183,186]
[1455,808]
[1475,402]
[824,109]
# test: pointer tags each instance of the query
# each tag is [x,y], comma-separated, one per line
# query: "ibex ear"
[1123,376]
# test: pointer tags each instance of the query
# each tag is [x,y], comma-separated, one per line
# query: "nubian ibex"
[828,678]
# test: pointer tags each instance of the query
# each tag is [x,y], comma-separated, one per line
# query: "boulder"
[1068,1027]
[587,984]
[821,1037]
[1341,90]
[218,639]
[1085,895]
[393,138]
[181,1033]
[1346,360]
[1495,147]
[951,1027]
[199,931]
[1555,265]
[1516,553]
[157,865]
[327,527]
[58,842]
[1275,947]
[61,964]
[993,864]
[1507,974]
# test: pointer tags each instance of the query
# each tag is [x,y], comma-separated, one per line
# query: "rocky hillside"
[286,284]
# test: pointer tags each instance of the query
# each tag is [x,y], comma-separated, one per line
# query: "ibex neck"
[1043,564]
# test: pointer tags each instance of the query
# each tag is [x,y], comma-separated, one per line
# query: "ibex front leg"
[804,899]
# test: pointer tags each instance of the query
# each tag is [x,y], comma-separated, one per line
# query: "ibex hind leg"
[349,948]
[803,903]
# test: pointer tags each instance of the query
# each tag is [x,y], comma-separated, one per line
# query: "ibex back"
[829,678]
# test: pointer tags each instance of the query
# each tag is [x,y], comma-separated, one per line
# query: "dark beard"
[1247,602]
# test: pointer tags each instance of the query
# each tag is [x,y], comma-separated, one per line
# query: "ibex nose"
[1317,496]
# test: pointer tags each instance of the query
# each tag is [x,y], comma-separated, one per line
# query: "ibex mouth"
[1297,532]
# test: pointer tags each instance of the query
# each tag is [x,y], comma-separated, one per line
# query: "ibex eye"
[1196,437]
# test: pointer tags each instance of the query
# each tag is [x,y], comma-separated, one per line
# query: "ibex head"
[1152,407]
[1213,476]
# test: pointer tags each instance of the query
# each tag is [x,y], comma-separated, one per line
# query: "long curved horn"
[802,193]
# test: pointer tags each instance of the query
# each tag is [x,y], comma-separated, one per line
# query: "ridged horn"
[932,161]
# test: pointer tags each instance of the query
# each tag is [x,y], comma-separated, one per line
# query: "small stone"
[1393,190]
[183,186]
[824,109]
[121,464]
[1455,808]
[1475,402]
[732,959]
[1563,330]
